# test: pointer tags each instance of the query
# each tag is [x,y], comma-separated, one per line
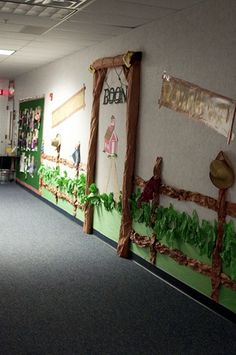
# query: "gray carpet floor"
[63,292]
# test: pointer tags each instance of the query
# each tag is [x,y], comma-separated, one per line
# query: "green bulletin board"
[30,141]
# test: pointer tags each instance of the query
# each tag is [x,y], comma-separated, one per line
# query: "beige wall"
[197,45]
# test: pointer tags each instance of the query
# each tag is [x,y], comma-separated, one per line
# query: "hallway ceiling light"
[6,52]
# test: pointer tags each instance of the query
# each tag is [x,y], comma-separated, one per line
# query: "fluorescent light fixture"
[6,52]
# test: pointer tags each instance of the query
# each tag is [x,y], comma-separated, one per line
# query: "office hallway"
[63,292]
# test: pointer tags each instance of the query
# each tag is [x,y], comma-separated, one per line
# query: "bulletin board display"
[30,133]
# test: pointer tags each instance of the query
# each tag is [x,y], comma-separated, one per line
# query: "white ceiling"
[42,34]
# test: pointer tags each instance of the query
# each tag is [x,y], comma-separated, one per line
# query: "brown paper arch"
[131,64]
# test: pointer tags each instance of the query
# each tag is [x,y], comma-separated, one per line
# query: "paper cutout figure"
[31,166]
[22,163]
[221,172]
[37,115]
[56,142]
[76,155]
[111,148]
[42,147]
[34,141]
[111,139]
[31,123]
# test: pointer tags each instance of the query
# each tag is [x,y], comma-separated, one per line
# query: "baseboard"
[27,186]
[172,281]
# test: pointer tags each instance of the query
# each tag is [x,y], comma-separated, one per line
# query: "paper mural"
[68,108]
[29,126]
[215,110]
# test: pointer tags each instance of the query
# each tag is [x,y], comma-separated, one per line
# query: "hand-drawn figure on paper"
[76,158]
[111,149]
[37,115]
[111,139]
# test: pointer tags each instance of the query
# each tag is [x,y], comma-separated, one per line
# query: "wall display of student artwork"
[215,110]
[216,240]
[68,120]
[111,149]
[30,140]
[130,64]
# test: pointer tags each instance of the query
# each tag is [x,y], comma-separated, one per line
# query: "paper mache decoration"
[56,142]
[221,172]
[76,155]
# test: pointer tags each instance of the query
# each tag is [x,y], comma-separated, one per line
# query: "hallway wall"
[4,118]
[197,45]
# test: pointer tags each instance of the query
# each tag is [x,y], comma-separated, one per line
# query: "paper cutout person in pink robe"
[111,139]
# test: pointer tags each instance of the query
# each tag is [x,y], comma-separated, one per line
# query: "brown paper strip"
[183,195]
[133,78]
[62,161]
[181,258]
[117,61]
[61,195]
[216,258]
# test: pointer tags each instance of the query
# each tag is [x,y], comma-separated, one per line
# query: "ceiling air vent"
[66,4]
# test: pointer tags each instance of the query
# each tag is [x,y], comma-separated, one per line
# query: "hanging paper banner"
[68,108]
[215,110]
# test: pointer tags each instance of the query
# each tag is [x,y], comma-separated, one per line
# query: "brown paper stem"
[180,258]
[216,258]
[184,195]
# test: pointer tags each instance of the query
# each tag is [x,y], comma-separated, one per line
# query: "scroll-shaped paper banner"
[215,110]
[68,108]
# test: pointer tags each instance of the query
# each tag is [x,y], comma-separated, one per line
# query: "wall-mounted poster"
[215,110]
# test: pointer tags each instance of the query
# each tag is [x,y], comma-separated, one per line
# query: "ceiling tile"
[55,3]
[12,43]
[14,35]
[127,9]
[171,4]
[10,27]
[106,19]
[92,28]
[8,7]
[48,45]
[35,30]
[57,42]
[26,20]
[64,35]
